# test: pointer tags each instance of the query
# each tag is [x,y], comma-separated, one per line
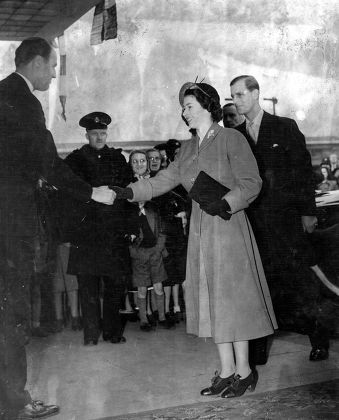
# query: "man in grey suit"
[282,216]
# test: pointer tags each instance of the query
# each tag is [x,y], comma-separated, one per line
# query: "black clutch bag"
[206,189]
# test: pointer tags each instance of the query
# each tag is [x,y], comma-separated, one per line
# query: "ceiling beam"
[70,11]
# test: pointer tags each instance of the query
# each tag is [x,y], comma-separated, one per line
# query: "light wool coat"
[227,297]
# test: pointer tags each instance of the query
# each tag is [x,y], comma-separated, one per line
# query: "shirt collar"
[29,84]
[256,120]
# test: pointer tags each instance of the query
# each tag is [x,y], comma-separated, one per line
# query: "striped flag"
[62,78]
[105,24]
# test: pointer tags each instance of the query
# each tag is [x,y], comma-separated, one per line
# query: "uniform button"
[192,180]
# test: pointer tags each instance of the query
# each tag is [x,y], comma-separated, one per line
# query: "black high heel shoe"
[239,386]
[218,385]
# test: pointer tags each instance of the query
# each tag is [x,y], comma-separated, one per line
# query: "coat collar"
[210,135]
[265,131]
[20,83]
[89,149]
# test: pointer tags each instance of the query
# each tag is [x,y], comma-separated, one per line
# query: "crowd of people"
[229,215]
[99,259]
[328,173]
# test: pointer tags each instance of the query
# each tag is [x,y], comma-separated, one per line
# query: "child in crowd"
[147,252]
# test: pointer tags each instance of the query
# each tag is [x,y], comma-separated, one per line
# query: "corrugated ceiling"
[25,18]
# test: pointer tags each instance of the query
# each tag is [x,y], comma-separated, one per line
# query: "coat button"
[192,180]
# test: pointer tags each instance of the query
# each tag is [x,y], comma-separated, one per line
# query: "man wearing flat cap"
[99,249]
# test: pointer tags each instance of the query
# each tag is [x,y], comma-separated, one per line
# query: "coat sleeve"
[58,173]
[164,181]
[245,171]
[33,153]
[301,170]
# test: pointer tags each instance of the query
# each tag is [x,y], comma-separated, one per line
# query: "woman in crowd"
[328,182]
[226,297]
[154,161]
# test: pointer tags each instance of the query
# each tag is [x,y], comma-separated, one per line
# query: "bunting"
[105,25]
[62,78]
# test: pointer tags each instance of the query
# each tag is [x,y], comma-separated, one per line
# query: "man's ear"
[86,135]
[37,61]
[256,94]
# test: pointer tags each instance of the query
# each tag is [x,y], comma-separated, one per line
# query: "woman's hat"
[205,88]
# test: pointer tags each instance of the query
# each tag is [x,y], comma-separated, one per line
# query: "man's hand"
[309,223]
[103,195]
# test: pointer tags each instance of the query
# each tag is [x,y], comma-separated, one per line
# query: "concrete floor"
[152,370]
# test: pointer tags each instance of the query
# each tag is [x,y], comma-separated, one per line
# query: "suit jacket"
[284,165]
[287,194]
[27,154]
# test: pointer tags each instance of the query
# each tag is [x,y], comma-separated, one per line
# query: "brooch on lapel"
[210,134]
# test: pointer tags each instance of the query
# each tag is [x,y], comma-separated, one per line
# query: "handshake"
[108,194]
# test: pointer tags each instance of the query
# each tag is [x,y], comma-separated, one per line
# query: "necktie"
[251,132]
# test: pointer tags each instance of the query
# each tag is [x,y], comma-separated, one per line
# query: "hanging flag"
[105,24]
[62,78]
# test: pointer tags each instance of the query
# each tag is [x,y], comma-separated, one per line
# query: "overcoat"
[226,292]
[98,232]
[27,154]
[287,194]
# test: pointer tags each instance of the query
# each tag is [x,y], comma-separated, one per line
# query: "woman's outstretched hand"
[217,208]
[122,193]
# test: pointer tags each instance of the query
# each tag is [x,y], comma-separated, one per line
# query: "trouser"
[114,291]
[299,307]
[13,376]
[16,267]
[287,255]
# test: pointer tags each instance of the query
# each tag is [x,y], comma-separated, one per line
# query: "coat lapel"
[210,136]
[243,130]
[265,131]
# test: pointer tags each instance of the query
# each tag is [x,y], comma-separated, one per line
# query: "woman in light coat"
[227,297]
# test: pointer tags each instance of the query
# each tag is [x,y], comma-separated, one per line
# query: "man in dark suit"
[283,215]
[27,155]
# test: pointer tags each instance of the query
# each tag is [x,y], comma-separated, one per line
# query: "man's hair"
[30,48]
[251,82]
[152,150]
